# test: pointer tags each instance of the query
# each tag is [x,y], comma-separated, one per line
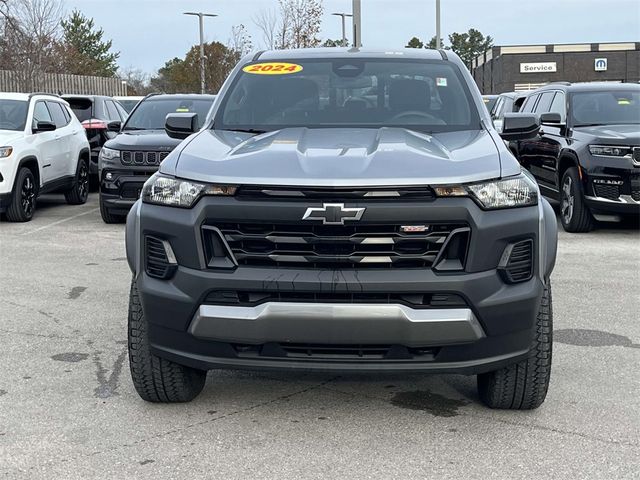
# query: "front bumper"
[336,323]
[121,191]
[612,185]
[494,328]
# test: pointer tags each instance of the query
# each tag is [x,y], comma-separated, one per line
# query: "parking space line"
[60,221]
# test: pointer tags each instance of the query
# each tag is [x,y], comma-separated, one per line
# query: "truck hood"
[152,140]
[337,157]
[620,134]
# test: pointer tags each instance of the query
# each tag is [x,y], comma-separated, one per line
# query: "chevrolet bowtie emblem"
[333,214]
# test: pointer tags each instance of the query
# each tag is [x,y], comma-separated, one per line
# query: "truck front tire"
[524,385]
[156,379]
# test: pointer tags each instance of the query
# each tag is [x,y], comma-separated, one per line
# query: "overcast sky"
[149,32]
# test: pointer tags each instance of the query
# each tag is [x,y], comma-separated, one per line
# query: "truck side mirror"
[181,125]
[520,126]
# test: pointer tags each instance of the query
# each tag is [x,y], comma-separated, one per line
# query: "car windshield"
[428,96]
[13,114]
[606,107]
[128,104]
[151,113]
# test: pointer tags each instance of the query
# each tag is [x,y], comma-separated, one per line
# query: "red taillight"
[94,124]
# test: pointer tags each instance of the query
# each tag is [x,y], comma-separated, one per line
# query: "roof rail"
[560,82]
[31,95]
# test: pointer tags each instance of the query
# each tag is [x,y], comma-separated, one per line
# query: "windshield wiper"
[132,128]
[244,130]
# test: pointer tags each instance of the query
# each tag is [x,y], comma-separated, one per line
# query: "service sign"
[538,67]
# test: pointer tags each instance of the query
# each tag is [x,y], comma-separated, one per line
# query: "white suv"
[43,149]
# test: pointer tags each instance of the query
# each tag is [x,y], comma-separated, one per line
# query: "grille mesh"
[611,192]
[334,246]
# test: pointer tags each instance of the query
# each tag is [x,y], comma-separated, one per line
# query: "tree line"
[37,37]
[467,45]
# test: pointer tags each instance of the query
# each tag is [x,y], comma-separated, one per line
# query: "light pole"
[344,31]
[357,23]
[201,16]
[438,25]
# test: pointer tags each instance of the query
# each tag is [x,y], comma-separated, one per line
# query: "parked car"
[95,112]
[142,143]
[587,153]
[309,228]
[489,101]
[129,102]
[508,102]
[43,149]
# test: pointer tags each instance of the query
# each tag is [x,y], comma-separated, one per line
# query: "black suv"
[95,112]
[587,152]
[343,210]
[128,160]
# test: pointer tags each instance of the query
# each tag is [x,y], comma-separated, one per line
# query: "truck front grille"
[143,158]
[335,246]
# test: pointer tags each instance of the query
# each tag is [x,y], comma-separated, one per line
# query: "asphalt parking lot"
[68,408]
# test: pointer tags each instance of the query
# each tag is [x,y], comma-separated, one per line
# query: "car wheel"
[524,385]
[574,213]
[23,198]
[108,217]
[80,190]
[157,379]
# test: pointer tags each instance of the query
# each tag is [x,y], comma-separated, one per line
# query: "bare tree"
[138,82]
[296,24]
[240,41]
[30,32]
[304,19]
[267,23]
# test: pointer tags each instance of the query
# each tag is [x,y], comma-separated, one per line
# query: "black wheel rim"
[28,195]
[568,200]
[83,181]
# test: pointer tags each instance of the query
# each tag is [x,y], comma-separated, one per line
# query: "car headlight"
[109,153]
[174,192]
[518,191]
[5,151]
[610,150]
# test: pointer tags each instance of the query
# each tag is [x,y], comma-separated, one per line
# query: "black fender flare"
[132,239]
[549,248]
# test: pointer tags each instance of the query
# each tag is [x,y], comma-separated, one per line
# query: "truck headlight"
[5,151]
[610,150]
[175,192]
[518,191]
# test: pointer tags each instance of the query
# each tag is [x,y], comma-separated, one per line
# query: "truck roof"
[413,53]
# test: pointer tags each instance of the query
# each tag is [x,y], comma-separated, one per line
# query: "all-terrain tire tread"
[524,385]
[157,379]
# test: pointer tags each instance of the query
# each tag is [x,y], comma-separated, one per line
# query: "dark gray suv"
[345,210]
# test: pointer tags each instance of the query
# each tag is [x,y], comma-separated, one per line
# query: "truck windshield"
[151,114]
[13,114]
[429,96]
[613,107]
